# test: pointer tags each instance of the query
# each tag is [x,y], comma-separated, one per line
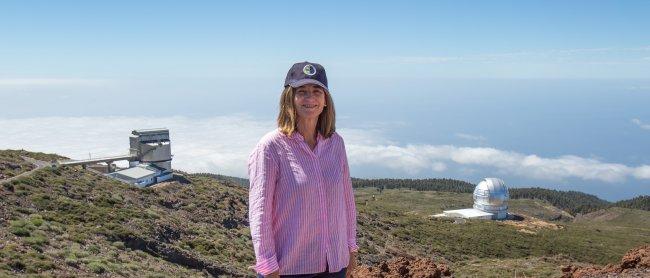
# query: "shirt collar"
[297,136]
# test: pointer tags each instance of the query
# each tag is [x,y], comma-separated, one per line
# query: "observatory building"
[150,159]
[490,202]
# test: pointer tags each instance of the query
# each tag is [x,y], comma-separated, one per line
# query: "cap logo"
[309,70]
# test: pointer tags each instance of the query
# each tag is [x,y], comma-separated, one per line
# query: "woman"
[301,205]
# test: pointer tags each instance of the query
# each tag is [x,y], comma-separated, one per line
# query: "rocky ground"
[11,166]
[404,267]
[531,225]
[636,263]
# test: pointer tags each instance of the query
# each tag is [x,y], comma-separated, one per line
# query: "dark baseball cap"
[306,73]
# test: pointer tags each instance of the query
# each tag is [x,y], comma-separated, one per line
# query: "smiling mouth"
[310,106]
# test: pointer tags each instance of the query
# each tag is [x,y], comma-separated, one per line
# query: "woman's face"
[309,101]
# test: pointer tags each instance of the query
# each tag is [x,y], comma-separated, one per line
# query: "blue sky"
[419,86]
[374,39]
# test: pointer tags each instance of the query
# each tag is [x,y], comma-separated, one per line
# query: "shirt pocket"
[298,173]
[333,180]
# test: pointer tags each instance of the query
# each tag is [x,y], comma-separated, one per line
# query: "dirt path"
[38,163]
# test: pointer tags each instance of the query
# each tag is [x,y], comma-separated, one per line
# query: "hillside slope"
[69,220]
[396,222]
[639,202]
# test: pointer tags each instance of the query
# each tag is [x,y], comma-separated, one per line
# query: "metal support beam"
[97,160]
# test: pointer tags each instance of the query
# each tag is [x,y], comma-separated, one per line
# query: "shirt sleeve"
[263,174]
[351,207]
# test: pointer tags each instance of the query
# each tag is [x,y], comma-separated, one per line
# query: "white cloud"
[638,88]
[366,137]
[218,144]
[439,167]
[641,124]
[390,156]
[416,60]
[222,144]
[42,82]
[642,172]
[642,48]
[592,55]
[417,158]
[470,137]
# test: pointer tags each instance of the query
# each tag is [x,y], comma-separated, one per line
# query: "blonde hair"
[288,119]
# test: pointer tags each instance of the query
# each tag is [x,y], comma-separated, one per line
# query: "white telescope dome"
[491,195]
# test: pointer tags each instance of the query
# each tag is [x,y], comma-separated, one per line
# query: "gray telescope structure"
[150,158]
[490,202]
[491,195]
[151,146]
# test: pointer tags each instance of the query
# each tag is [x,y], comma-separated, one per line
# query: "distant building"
[150,159]
[491,195]
[466,213]
[490,202]
[151,146]
[142,175]
[102,167]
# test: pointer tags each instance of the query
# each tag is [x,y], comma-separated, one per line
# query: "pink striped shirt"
[301,205]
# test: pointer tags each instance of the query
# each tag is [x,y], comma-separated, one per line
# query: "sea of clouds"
[221,144]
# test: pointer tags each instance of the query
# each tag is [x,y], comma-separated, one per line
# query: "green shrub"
[97,267]
[36,220]
[21,228]
[141,254]
[81,254]
[118,245]
[72,261]
[37,239]
[41,200]
[151,214]
[94,249]
[40,266]
[79,237]
[51,227]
